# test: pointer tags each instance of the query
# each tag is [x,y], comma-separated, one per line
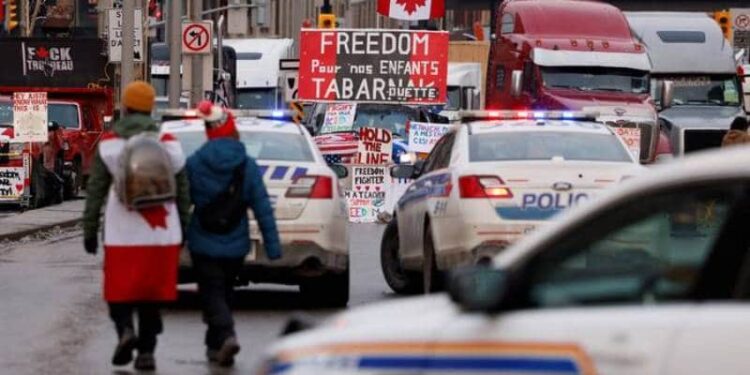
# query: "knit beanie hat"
[139,96]
[219,121]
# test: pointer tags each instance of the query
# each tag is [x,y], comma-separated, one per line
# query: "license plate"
[552,201]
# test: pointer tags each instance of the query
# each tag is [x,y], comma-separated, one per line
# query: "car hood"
[706,116]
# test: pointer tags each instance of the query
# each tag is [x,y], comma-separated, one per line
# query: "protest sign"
[30,117]
[632,139]
[378,66]
[424,136]
[367,197]
[375,146]
[11,183]
[339,117]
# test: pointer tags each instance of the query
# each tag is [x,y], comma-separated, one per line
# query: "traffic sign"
[196,37]
[114,35]
[741,32]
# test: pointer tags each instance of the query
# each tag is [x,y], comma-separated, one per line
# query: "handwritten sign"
[368,195]
[30,117]
[632,139]
[11,183]
[424,136]
[339,117]
[375,146]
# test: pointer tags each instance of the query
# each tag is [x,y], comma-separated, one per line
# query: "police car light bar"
[524,115]
[279,114]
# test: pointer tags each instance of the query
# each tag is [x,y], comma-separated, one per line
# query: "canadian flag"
[412,10]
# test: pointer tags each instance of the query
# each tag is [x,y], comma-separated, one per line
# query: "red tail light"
[311,187]
[483,187]
[663,147]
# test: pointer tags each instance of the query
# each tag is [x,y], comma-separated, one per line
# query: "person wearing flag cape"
[146,212]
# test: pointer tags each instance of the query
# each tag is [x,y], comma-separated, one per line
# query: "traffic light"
[327,21]
[724,19]
[11,15]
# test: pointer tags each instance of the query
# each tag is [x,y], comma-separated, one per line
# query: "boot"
[225,355]
[145,362]
[124,350]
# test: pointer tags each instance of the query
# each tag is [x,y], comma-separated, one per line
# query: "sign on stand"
[196,38]
[30,117]
[114,35]
[367,197]
[377,66]
[741,32]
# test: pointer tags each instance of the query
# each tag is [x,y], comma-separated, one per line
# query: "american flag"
[338,148]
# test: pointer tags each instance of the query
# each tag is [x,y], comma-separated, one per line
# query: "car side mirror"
[403,171]
[340,170]
[516,83]
[667,94]
[478,288]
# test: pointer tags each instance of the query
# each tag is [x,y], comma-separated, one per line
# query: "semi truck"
[76,78]
[573,55]
[694,77]
[258,73]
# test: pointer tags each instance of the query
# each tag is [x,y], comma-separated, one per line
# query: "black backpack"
[223,213]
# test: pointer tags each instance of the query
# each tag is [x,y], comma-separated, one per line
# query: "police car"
[489,183]
[652,278]
[310,212]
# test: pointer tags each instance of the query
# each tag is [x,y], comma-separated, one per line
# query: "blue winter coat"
[210,171]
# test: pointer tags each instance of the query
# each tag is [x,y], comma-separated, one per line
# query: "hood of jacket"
[222,155]
[133,124]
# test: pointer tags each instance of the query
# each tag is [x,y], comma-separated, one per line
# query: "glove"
[90,244]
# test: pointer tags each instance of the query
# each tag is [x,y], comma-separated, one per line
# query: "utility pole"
[196,77]
[175,52]
[128,39]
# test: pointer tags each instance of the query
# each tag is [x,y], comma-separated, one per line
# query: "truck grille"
[648,140]
[701,139]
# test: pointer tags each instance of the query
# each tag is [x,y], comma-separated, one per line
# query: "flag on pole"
[412,10]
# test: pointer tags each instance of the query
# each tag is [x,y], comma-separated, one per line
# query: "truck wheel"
[73,182]
[432,278]
[400,280]
[327,291]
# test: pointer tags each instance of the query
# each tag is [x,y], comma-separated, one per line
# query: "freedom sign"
[376,66]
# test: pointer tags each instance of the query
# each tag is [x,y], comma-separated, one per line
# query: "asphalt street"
[54,321]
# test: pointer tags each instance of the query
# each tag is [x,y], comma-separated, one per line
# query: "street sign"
[196,38]
[741,31]
[114,35]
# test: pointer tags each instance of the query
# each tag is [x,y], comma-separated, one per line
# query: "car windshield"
[262,98]
[258,144]
[65,115]
[596,79]
[504,146]
[701,90]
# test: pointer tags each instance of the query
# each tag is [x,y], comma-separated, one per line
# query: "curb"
[17,235]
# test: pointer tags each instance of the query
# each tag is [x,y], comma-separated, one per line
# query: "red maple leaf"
[42,53]
[155,216]
[410,6]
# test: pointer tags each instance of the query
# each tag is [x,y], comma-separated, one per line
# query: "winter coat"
[210,171]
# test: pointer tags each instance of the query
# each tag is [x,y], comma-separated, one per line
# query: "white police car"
[489,183]
[652,278]
[309,209]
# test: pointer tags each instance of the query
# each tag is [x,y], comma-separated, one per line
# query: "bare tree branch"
[34,15]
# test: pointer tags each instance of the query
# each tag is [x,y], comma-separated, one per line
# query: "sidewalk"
[17,226]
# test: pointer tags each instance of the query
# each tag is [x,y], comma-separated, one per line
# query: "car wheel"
[327,291]
[400,280]
[73,182]
[431,277]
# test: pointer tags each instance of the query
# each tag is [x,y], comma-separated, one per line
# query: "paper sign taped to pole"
[423,136]
[30,117]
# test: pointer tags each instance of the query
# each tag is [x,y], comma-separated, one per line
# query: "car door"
[412,207]
[613,293]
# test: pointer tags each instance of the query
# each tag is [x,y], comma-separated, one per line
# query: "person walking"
[141,241]
[224,183]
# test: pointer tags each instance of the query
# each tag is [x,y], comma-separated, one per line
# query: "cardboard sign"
[379,66]
[367,197]
[375,146]
[424,136]
[339,117]
[30,117]
[11,183]
[632,139]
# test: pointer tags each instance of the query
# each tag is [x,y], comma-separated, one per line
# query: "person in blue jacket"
[218,257]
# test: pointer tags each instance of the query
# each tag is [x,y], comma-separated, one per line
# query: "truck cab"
[555,55]
[693,67]
[464,88]
[258,71]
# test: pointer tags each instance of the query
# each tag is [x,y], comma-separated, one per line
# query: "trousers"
[216,278]
[150,323]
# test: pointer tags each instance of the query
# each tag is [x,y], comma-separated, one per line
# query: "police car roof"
[538,125]
[244,124]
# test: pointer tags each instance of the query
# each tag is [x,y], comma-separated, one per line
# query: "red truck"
[573,55]
[74,74]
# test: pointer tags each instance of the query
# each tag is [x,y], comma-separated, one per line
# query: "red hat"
[219,122]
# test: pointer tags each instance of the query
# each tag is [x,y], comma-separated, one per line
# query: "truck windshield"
[454,98]
[161,84]
[256,98]
[596,79]
[701,90]
[65,115]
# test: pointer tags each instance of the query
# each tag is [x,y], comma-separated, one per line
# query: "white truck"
[258,75]
[464,88]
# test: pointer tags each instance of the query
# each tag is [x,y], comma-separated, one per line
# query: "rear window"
[682,36]
[259,145]
[545,146]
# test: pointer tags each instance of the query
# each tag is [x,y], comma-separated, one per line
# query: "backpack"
[145,177]
[225,212]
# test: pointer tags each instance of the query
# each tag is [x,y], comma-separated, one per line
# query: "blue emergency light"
[468,116]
